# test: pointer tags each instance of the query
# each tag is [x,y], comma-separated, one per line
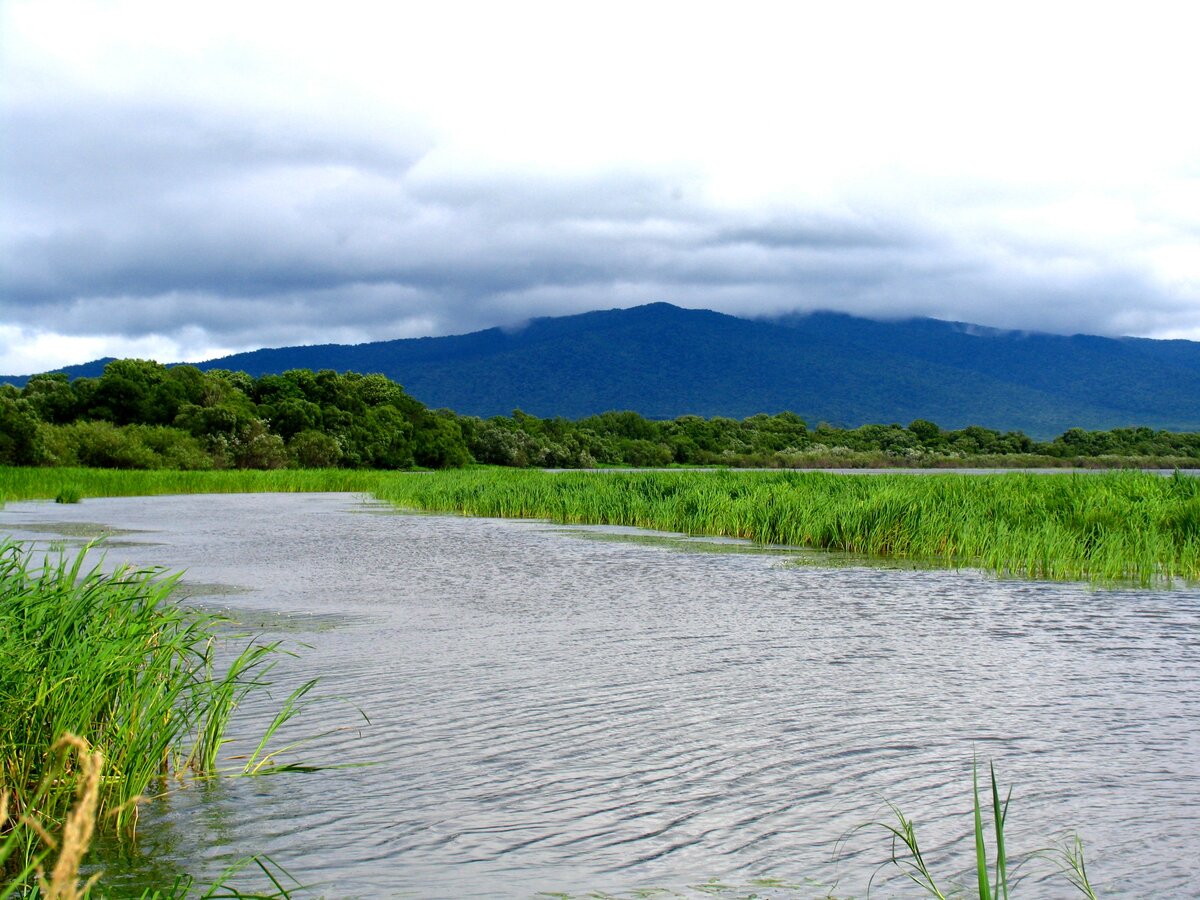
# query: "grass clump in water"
[110,658]
[991,874]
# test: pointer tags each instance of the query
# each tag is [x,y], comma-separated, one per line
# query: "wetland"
[556,707]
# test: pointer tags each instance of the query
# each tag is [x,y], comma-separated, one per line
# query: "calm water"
[557,709]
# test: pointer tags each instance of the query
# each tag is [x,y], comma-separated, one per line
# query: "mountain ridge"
[664,361]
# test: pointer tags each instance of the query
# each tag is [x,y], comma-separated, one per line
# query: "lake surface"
[580,709]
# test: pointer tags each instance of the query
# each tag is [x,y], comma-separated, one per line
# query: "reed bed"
[110,658]
[75,484]
[1111,527]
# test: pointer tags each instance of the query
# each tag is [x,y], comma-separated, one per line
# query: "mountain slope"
[663,361]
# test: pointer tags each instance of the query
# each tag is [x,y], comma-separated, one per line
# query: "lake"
[575,709]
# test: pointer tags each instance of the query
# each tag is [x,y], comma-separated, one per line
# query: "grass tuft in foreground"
[992,875]
[109,658]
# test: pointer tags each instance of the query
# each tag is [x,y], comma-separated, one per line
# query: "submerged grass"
[107,657]
[1108,527]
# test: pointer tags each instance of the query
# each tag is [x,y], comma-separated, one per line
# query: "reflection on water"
[554,713]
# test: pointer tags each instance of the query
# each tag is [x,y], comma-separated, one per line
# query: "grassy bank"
[37,483]
[1112,526]
[111,661]
[1107,527]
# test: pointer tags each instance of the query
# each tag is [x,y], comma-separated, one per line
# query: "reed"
[33,483]
[991,873]
[107,657]
[1107,527]
[83,765]
[1110,527]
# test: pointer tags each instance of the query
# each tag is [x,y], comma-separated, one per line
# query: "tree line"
[144,415]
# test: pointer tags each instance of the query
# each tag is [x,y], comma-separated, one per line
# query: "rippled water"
[569,709]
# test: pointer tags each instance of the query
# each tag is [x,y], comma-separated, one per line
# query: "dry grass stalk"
[77,833]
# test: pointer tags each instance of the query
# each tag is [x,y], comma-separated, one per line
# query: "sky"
[183,181]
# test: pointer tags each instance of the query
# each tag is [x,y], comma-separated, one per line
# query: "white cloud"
[452,166]
[31,350]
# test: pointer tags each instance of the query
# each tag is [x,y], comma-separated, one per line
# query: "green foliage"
[529,441]
[69,494]
[292,415]
[26,483]
[51,397]
[314,450]
[242,422]
[105,445]
[109,658]
[379,438]
[20,437]
[253,446]
[141,415]
[438,444]
[992,882]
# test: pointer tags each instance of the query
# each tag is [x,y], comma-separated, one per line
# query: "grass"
[107,657]
[84,766]
[1127,526]
[1109,527]
[34,483]
[991,874]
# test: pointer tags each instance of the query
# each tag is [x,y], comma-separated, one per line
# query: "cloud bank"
[182,188]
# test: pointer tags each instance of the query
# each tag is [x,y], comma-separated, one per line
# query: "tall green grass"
[1127,526]
[1116,526]
[34,483]
[110,658]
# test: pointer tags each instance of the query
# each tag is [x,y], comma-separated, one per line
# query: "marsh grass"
[84,766]
[991,871]
[111,658]
[1111,527]
[69,494]
[33,483]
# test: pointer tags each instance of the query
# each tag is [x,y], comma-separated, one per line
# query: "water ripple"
[555,713]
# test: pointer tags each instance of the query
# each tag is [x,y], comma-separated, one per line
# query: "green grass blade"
[999,812]
[981,863]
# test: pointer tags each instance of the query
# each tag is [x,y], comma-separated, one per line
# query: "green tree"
[315,450]
[928,433]
[438,443]
[20,434]
[126,392]
[51,397]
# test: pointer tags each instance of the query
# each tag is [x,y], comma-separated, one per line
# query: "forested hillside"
[665,362]
[140,414]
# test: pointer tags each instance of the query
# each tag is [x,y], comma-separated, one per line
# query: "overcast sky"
[182,181]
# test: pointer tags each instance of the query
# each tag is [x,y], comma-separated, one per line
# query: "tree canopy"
[141,414]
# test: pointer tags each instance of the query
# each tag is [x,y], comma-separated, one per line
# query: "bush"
[315,450]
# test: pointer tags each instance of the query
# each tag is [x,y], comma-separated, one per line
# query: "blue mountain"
[663,362]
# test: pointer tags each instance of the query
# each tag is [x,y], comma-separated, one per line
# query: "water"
[574,709]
